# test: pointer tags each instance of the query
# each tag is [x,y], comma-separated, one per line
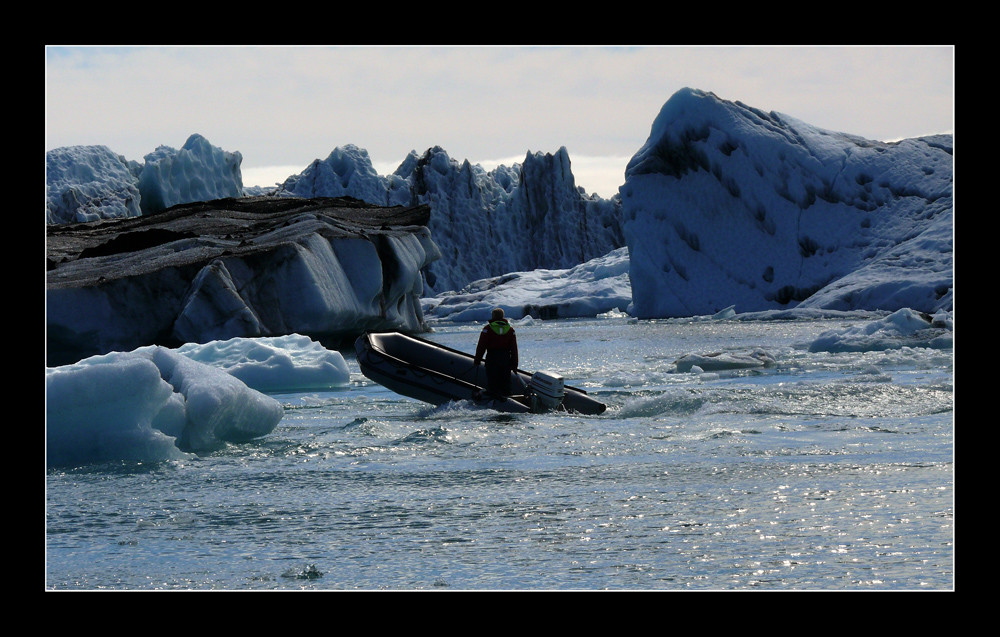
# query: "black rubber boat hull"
[436,374]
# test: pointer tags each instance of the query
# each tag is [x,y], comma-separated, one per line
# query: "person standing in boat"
[499,343]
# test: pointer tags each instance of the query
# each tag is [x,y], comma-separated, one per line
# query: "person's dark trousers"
[498,372]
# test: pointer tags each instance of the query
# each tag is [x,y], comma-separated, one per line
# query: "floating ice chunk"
[148,405]
[103,409]
[902,328]
[218,406]
[718,361]
[272,364]
[726,313]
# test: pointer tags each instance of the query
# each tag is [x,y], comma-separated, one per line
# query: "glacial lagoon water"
[827,471]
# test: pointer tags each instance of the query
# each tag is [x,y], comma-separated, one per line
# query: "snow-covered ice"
[89,183]
[902,328]
[590,289]
[728,205]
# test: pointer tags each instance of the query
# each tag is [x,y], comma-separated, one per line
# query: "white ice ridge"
[590,289]
[903,328]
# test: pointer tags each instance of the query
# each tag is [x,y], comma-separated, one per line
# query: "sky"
[282,107]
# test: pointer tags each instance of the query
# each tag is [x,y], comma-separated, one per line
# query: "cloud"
[288,105]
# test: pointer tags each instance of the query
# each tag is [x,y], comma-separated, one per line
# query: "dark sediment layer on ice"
[223,227]
[252,266]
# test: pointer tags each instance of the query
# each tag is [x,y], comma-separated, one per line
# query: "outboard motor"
[547,390]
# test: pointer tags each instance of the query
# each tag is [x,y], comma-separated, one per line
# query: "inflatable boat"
[436,374]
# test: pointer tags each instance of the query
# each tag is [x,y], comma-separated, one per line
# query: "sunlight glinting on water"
[825,471]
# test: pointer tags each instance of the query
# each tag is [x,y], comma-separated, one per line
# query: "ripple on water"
[826,472]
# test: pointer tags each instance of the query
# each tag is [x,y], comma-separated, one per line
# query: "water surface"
[825,472]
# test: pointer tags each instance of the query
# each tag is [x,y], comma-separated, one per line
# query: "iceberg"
[728,205]
[243,267]
[514,218]
[196,172]
[149,405]
[524,217]
[902,328]
[347,172]
[598,287]
[89,183]
[725,211]
[156,404]
[274,364]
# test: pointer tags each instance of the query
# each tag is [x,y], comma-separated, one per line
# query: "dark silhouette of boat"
[436,374]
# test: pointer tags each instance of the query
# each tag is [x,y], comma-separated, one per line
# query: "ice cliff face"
[723,206]
[87,183]
[728,205]
[517,218]
[243,267]
[487,224]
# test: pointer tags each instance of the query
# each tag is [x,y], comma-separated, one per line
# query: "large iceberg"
[245,267]
[728,205]
[487,223]
[90,183]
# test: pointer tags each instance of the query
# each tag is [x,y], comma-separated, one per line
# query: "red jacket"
[498,335]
